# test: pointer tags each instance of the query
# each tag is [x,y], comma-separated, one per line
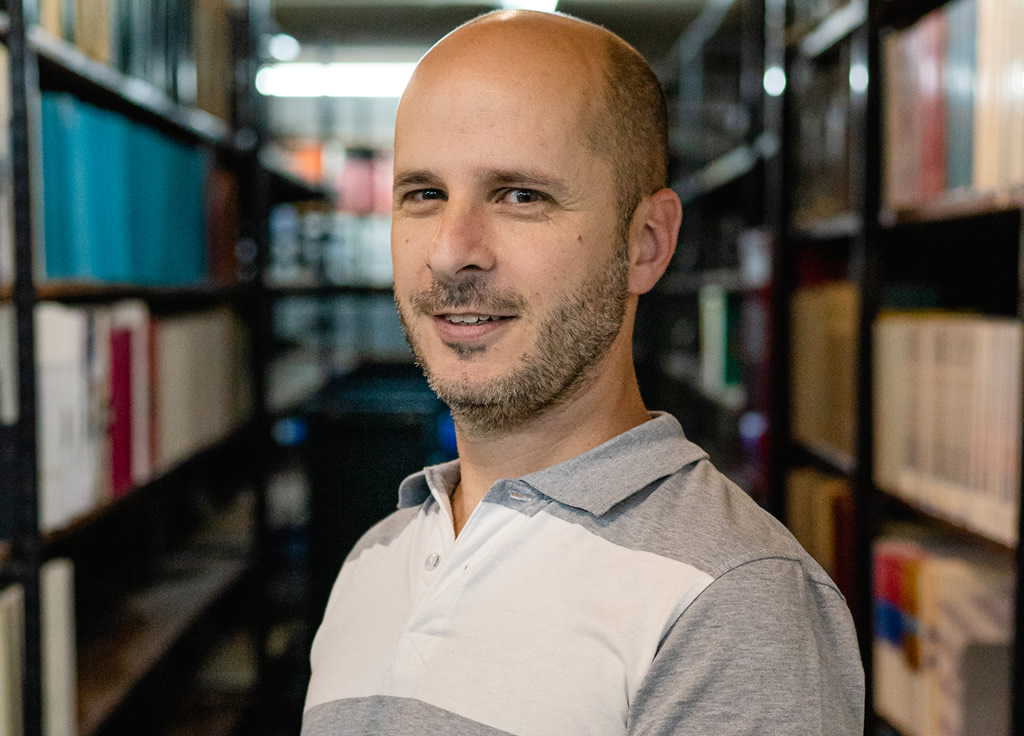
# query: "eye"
[520,196]
[421,195]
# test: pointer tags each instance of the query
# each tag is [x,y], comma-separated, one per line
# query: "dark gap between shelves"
[146,630]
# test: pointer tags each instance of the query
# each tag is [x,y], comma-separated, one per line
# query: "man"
[582,568]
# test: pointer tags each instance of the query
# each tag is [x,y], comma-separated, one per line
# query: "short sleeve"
[765,649]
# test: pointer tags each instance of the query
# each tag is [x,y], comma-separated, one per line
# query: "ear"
[652,239]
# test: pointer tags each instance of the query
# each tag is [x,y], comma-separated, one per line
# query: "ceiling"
[652,26]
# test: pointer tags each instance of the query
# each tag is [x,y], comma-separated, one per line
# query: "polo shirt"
[632,589]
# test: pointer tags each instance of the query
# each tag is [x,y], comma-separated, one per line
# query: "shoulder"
[699,517]
[769,623]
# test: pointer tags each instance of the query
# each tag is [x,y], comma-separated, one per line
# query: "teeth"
[468,319]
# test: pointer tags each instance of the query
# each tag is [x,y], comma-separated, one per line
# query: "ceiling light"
[343,79]
[858,77]
[774,81]
[545,6]
[283,47]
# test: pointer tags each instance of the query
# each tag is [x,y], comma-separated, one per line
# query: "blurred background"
[206,397]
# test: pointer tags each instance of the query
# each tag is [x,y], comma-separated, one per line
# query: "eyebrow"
[526,178]
[415,178]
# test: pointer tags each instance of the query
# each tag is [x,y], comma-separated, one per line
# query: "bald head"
[621,114]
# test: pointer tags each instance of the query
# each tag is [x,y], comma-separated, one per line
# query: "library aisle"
[206,396]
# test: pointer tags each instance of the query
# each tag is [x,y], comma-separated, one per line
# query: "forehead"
[475,109]
[499,96]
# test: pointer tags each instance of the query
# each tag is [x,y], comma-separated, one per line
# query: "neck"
[608,405]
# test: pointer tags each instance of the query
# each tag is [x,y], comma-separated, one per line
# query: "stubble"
[569,343]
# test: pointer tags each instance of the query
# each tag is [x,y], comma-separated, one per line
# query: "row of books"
[947,415]
[721,363]
[823,367]
[361,177]
[124,395]
[953,117]
[59,656]
[123,202]
[943,636]
[308,245]
[182,47]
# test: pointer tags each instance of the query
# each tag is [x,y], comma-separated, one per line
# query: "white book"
[12,637]
[977,427]
[198,365]
[999,413]
[940,491]
[890,392]
[911,480]
[994,403]
[976,609]
[62,408]
[958,420]
[712,305]
[59,654]
[91,483]
[927,494]
[1006,527]
[8,365]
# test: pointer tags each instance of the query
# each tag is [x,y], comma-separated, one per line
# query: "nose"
[459,246]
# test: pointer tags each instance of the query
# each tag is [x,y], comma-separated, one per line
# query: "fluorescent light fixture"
[545,6]
[774,81]
[859,77]
[283,47]
[341,79]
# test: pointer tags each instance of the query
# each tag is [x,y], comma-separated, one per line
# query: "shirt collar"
[595,481]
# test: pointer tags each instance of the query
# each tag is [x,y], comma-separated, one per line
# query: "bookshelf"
[918,236]
[167,557]
[703,334]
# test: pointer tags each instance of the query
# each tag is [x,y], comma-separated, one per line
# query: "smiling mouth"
[472,319]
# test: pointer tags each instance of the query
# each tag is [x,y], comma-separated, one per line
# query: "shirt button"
[432,561]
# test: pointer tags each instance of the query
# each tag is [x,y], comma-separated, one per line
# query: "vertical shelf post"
[774,186]
[1017,671]
[27,549]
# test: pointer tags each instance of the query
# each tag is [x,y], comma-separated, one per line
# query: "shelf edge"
[953,206]
[137,92]
[833,29]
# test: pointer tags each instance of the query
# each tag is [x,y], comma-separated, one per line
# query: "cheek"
[406,254]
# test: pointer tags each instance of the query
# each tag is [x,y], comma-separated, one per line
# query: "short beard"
[573,339]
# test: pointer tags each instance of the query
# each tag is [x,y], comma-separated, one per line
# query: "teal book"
[194,164]
[106,195]
[148,189]
[56,227]
[183,256]
[81,251]
[67,213]
[960,76]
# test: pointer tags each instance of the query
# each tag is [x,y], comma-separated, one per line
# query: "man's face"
[502,213]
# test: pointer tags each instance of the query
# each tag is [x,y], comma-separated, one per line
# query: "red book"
[121,411]
[933,105]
